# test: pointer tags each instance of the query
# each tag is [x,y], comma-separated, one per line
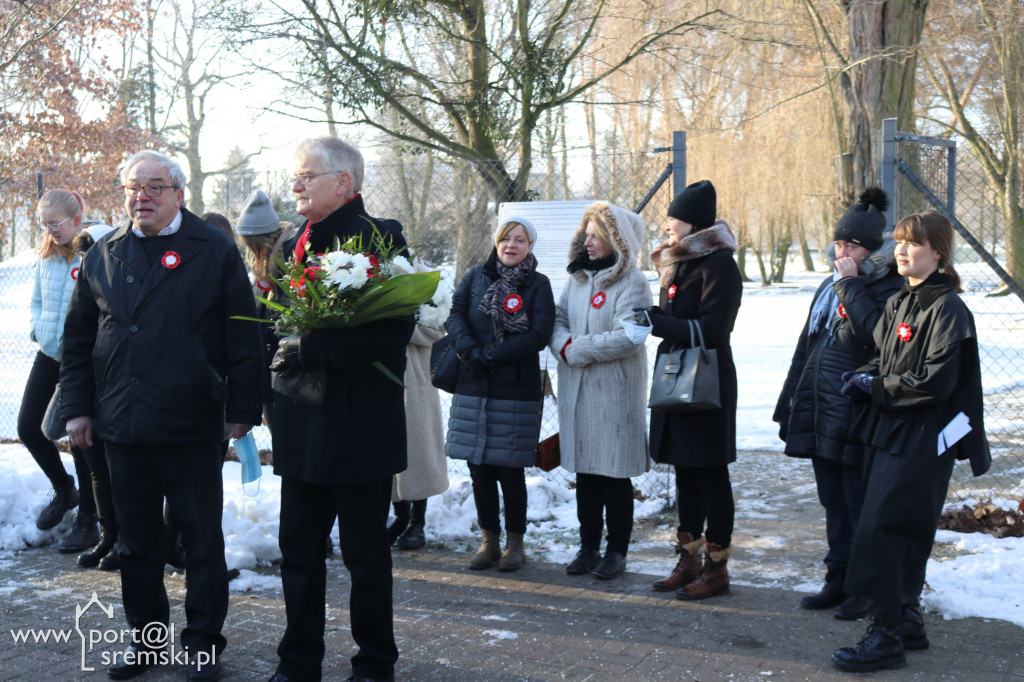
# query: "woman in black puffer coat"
[503,313]
[815,420]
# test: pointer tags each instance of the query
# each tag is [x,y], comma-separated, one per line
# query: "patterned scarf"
[496,298]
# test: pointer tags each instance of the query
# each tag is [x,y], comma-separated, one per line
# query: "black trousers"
[486,479]
[307,514]
[596,495]
[704,497]
[840,492]
[42,381]
[189,476]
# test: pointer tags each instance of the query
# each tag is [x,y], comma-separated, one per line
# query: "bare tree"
[471,79]
[974,63]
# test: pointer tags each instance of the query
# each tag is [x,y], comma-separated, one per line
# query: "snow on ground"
[980,581]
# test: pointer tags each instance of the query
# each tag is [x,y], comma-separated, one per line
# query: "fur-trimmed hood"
[698,244]
[879,259]
[626,231]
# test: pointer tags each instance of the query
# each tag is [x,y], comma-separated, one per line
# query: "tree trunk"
[884,37]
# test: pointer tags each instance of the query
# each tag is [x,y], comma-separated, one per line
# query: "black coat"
[708,289]
[922,383]
[358,432]
[508,401]
[151,351]
[814,418]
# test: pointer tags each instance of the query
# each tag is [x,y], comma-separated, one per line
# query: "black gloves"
[286,360]
[856,386]
[478,361]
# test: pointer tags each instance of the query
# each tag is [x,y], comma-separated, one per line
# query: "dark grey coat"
[814,419]
[495,418]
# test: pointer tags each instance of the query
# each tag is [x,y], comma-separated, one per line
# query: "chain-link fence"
[449,212]
[922,174]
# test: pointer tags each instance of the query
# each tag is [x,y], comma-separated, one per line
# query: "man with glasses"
[337,458]
[154,365]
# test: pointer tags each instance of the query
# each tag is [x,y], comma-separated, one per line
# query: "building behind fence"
[449,214]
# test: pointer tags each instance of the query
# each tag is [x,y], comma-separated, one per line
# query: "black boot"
[830,595]
[84,534]
[912,631]
[586,561]
[854,608]
[112,561]
[880,649]
[91,557]
[65,498]
[403,511]
[612,565]
[414,537]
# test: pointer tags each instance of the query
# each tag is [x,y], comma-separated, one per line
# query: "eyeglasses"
[149,190]
[53,226]
[307,178]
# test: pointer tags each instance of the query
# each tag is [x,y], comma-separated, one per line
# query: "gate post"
[678,162]
[887,170]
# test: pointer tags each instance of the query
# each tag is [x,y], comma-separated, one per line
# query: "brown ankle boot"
[514,556]
[489,552]
[688,567]
[713,579]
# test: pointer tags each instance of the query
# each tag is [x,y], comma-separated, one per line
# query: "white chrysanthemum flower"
[430,316]
[400,265]
[346,270]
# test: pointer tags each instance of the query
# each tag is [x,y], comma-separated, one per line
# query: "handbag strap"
[700,334]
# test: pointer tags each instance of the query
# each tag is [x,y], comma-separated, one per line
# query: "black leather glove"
[856,386]
[478,361]
[286,360]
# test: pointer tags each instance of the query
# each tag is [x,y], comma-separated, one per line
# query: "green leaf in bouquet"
[396,297]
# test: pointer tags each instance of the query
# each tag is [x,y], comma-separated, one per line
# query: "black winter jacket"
[707,289]
[151,351]
[814,418]
[358,432]
[495,419]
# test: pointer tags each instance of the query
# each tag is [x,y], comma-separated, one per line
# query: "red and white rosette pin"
[842,311]
[264,284]
[170,260]
[513,303]
[74,273]
[672,292]
[904,332]
[598,300]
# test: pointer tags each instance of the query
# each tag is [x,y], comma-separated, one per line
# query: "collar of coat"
[930,290]
[880,261]
[698,244]
[625,253]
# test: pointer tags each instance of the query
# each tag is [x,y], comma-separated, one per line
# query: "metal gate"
[923,173]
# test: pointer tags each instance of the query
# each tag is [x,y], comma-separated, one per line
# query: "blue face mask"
[249,456]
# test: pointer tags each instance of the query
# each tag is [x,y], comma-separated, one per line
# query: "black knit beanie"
[696,205]
[863,223]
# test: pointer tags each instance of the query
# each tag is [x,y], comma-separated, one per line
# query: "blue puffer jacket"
[495,419]
[56,277]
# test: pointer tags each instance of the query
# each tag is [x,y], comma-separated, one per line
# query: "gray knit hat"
[863,223]
[531,231]
[257,216]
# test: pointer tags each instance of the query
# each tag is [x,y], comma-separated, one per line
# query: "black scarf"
[583,262]
[495,301]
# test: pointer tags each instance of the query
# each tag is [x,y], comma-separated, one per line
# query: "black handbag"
[53,425]
[444,365]
[686,379]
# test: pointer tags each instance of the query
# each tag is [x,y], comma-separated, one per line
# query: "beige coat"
[602,383]
[427,473]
